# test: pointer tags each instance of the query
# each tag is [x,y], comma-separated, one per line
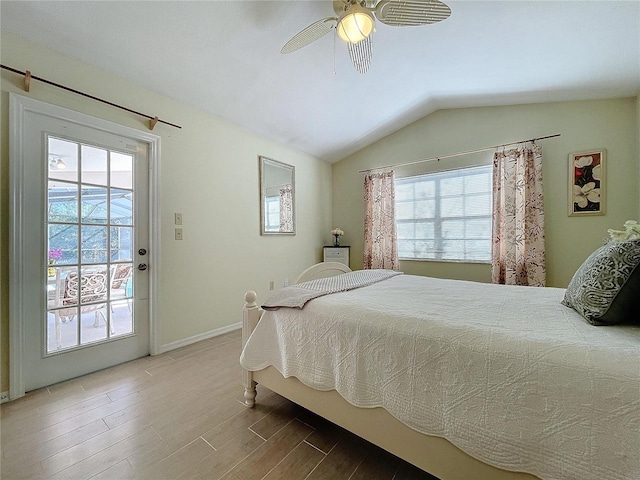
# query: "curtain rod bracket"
[27,81]
[152,123]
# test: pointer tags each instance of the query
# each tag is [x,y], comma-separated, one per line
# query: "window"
[445,216]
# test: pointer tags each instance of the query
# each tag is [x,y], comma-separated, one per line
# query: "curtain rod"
[457,154]
[27,82]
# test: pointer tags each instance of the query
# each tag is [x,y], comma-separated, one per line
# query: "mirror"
[277,198]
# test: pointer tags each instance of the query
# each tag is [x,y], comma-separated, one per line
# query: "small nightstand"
[336,254]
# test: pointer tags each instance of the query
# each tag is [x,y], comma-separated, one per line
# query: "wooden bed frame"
[429,453]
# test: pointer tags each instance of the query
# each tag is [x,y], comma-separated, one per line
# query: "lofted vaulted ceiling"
[224,57]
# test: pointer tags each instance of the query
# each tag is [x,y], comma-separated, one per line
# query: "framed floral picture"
[587,188]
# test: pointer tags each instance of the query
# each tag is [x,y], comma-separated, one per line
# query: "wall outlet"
[286,281]
[271,285]
[4,397]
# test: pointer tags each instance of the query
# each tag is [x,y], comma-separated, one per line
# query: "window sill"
[403,259]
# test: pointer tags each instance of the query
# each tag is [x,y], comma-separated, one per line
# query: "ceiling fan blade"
[360,54]
[399,13]
[310,34]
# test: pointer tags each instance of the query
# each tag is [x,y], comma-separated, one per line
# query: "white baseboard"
[4,397]
[197,338]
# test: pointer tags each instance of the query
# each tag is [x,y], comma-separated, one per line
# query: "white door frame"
[18,105]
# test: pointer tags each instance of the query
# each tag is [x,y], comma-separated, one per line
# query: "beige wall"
[611,124]
[211,161]
[209,172]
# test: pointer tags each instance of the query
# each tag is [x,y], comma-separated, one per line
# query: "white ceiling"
[223,57]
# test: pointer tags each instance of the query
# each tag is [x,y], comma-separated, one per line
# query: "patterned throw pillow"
[603,290]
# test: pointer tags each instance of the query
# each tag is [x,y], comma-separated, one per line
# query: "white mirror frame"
[274,175]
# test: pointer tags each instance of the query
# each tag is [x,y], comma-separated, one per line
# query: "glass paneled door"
[89,245]
[81,236]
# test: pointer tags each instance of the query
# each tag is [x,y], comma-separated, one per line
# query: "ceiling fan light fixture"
[355,24]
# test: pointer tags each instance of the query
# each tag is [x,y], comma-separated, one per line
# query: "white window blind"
[445,216]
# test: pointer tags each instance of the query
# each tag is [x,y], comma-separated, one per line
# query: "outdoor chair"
[90,289]
[120,278]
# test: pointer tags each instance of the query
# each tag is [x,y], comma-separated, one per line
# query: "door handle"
[142,267]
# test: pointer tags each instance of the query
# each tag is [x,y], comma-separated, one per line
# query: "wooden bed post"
[250,317]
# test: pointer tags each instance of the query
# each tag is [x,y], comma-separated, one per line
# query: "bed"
[464,380]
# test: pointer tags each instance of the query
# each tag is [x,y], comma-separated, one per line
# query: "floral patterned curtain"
[517,254]
[286,209]
[380,243]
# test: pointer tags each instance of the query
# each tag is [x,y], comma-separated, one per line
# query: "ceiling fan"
[355,23]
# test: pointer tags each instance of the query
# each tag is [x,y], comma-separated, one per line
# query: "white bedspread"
[508,374]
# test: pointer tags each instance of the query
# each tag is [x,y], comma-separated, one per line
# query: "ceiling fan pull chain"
[334,52]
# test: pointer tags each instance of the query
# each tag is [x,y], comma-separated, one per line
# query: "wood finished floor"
[180,415]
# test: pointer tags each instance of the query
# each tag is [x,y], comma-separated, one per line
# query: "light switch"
[177,218]
[178,234]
